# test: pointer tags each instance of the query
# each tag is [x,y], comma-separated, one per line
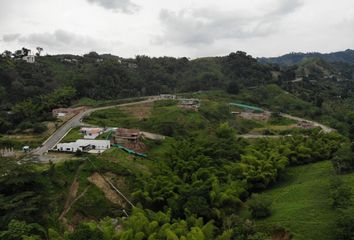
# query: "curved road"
[324,128]
[75,122]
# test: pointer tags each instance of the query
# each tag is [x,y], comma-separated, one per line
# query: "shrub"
[25,125]
[343,160]
[259,206]
[345,224]
[39,128]
[340,194]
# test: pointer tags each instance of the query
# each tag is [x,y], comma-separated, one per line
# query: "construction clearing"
[189,103]
[129,138]
[249,112]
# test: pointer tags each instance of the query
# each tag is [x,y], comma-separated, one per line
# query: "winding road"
[76,121]
[59,134]
[324,128]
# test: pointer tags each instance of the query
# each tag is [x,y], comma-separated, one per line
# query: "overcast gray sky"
[191,28]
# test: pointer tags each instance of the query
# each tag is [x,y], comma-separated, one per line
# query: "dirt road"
[324,128]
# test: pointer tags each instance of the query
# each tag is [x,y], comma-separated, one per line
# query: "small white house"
[91,133]
[29,58]
[26,148]
[84,145]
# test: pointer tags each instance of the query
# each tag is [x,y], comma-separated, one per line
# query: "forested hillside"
[346,56]
[28,92]
[204,179]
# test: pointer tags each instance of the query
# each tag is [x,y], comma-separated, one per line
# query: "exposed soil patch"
[78,218]
[282,235]
[152,136]
[110,194]
[137,147]
[139,111]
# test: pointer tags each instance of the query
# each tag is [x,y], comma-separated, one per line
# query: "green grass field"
[73,135]
[301,203]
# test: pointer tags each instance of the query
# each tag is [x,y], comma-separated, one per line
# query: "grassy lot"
[166,118]
[127,161]
[113,117]
[100,103]
[73,135]
[301,203]
[26,138]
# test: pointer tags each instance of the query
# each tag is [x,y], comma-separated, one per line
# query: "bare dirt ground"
[282,235]
[101,183]
[152,136]
[137,147]
[139,111]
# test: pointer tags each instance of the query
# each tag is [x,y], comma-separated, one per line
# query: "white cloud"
[125,6]
[190,28]
[58,41]
[10,37]
[207,25]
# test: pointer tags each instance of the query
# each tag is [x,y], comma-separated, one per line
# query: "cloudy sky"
[191,28]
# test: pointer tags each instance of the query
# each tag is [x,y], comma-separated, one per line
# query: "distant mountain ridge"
[346,56]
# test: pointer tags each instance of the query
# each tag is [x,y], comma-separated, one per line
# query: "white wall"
[79,144]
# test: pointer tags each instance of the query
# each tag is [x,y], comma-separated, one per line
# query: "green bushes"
[343,160]
[39,128]
[259,206]
[21,197]
[341,199]
[94,203]
[19,230]
[345,224]
[340,193]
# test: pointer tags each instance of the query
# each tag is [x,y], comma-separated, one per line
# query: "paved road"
[75,122]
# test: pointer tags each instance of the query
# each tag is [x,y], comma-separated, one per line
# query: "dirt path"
[102,184]
[324,128]
[152,136]
[72,194]
[250,136]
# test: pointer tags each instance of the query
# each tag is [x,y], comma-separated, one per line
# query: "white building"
[29,58]
[84,145]
[91,133]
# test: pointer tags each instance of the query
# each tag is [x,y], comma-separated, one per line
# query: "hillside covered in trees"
[205,180]
[28,92]
[346,56]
